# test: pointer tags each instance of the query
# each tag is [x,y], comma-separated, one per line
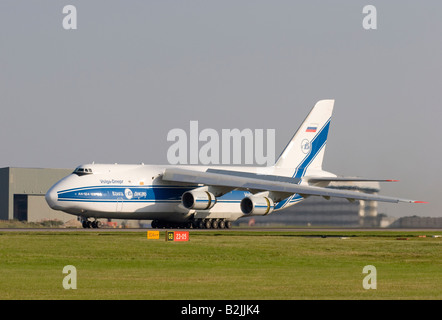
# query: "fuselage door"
[119,205]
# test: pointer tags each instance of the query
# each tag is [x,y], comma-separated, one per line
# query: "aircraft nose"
[52,198]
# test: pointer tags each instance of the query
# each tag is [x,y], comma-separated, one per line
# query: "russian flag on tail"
[311,129]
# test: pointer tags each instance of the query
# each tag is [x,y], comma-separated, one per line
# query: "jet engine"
[257,205]
[197,199]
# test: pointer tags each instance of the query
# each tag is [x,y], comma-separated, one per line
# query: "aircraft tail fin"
[305,151]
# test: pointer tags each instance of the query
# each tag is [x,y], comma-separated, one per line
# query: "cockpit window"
[82,171]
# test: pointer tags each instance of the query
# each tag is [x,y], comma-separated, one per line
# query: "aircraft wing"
[346,179]
[236,181]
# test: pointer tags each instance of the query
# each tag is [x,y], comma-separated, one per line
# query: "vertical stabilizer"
[305,151]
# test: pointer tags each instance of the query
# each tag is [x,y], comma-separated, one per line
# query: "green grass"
[25,224]
[220,265]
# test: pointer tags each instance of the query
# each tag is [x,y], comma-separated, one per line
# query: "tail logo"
[306,146]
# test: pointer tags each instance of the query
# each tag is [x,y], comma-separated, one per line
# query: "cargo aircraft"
[204,196]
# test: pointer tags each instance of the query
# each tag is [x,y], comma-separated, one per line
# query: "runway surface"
[251,229]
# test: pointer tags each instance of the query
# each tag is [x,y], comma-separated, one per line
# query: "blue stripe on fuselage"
[137,194]
[126,193]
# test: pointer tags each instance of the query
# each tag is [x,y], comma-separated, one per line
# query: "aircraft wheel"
[228,224]
[214,224]
[96,224]
[207,224]
[201,224]
[221,224]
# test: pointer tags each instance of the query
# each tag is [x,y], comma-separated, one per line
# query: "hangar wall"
[22,192]
[4,193]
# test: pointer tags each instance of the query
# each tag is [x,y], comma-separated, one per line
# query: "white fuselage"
[138,192]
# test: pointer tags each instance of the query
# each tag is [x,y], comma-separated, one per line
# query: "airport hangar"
[22,198]
[22,194]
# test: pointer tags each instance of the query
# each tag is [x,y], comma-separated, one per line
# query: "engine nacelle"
[199,200]
[257,205]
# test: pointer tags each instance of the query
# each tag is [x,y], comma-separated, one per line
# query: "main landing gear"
[194,224]
[91,224]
